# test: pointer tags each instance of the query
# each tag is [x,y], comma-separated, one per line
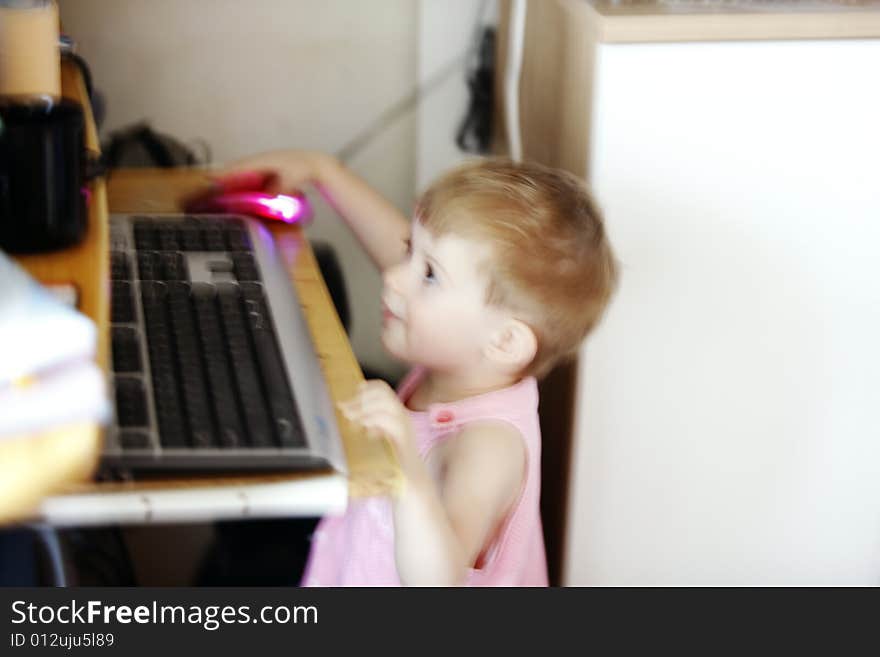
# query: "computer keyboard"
[213,364]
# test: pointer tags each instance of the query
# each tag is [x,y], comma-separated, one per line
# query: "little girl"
[503,271]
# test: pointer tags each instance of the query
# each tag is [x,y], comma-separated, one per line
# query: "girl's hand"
[377,224]
[377,408]
[275,172]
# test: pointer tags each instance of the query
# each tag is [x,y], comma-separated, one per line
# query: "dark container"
[42,173]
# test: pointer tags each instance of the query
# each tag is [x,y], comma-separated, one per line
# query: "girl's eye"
[429,273]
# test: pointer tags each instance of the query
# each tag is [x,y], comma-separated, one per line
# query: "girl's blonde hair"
[552,263]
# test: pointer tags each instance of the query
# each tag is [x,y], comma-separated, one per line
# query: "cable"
[475,131]
[399,109]
[49,537]
[516,38]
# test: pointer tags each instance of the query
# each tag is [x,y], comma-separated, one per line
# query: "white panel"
[729,416]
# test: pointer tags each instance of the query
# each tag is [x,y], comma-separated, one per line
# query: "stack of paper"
[48,376]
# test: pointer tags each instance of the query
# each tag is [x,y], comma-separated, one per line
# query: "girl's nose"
[393,278]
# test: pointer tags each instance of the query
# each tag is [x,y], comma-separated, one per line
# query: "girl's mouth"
[387,313]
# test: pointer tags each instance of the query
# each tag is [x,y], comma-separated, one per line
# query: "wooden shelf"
[647,21]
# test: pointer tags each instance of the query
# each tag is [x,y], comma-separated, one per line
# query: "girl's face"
[433,303]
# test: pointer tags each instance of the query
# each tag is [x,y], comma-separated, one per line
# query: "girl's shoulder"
[495,441]
[485,461]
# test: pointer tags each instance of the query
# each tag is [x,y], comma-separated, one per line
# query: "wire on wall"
[476,58]
[516,38]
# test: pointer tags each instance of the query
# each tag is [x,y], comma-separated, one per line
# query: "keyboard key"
[221,266]
[213,236]
[237,238]
[131,403]
[120,269]
[149,266]
[245,267]
[126,350]
[121,302]
[174,267]
[134,440]
[168,236]
[191,236]
[145,236]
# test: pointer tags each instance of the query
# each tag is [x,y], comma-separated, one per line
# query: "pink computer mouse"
[253,193]
[263,205]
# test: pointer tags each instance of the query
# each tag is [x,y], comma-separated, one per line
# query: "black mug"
[42,173]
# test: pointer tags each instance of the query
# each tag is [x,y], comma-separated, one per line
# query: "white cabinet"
[727,417]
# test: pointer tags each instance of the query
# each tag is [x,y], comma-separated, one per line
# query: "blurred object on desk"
[43,198]
[29,53]
[37,331]
[48,376]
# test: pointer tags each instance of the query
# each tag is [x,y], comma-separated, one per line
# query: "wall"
[447,32]
[306,74]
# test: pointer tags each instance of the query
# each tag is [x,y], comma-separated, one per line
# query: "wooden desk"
[61,463]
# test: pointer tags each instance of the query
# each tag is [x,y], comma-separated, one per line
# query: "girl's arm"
[441,526]
[440,530]
[378,225]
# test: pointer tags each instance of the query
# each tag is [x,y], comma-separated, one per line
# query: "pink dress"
[357,549]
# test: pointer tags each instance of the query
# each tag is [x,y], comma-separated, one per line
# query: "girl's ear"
[513,346]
